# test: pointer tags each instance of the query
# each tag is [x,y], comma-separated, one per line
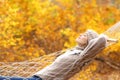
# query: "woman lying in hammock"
[72,61]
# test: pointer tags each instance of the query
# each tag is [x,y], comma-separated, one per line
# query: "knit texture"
[72,61]
[91,34]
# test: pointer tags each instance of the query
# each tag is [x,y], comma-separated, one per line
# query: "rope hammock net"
[28,68]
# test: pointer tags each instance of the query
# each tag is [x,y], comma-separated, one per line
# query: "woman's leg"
[19,78]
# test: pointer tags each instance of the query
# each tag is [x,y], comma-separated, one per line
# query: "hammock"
[28,68]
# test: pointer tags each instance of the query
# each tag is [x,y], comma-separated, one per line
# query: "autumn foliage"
[32,28]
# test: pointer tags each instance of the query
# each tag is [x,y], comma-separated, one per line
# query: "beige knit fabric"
[72,61]
[91,34]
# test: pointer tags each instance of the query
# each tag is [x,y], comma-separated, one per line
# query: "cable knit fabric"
[91,34]
[72,61]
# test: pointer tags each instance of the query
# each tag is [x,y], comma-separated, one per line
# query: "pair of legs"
[19,78]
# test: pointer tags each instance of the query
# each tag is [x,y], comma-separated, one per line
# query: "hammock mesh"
[28,68]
